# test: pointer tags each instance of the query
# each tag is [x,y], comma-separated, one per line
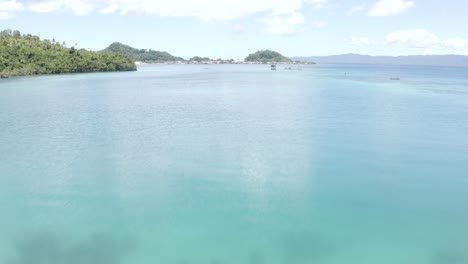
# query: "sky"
[236,28]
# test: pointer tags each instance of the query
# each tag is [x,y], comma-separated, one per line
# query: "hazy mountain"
[435,60]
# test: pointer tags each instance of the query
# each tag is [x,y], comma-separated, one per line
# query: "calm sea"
[236,164]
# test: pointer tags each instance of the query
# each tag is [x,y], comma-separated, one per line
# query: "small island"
[198,59]
[267,56]
[141,55]
[22,55]
[271,57]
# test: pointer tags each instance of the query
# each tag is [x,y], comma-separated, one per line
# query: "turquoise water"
[236,164]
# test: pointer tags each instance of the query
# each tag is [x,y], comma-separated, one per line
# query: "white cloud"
[390,7]
[279,16]
[9,8]
[6,15]
[237,28]
[318,24]
[359,41]
[45,7]
[317,3]
[355,9]
[202,9]
[457,43]
[430,52]
[421,39]
[415,38]
[110,9]
[78,7]
[283,24]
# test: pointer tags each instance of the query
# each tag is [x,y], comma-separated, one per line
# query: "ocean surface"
[236,164]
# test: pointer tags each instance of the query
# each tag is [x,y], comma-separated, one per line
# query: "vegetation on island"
[199,59]
[264,56]
[206,60]
[22,55]
[143,55]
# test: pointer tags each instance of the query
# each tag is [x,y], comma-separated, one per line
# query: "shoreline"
[143,64]
[139,63]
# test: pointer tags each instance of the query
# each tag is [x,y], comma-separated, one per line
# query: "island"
[22,55]
[149,56]
[198,59]
[267,56]
[141,55]
[272,57]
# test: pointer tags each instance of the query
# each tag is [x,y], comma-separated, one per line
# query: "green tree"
[199,59]
[267,56]
[140,54]
[29,55]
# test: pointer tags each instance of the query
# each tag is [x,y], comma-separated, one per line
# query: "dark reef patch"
[48,248]
[305,247]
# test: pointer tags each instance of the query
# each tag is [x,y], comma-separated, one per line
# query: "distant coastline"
[22,55]
[218,62]
[426,60]
[149,56]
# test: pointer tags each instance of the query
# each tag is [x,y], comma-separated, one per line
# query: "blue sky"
[233,29]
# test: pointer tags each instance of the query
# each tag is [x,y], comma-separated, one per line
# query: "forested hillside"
[29,55]
[140,54]
[267,56]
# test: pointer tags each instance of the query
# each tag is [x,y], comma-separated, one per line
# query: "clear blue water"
[236,164]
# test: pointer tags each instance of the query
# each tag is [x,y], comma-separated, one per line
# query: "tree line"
[150,56]
[267,56]
[26,54]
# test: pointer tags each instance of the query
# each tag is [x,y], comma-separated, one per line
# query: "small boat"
[394,79]
[273,67]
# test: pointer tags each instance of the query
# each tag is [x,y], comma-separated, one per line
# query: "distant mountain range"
[430,60]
